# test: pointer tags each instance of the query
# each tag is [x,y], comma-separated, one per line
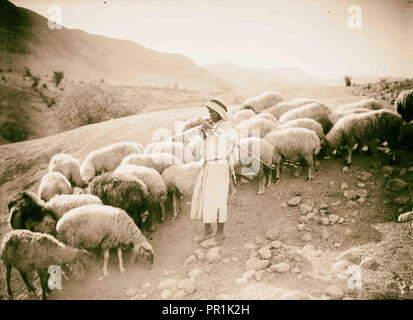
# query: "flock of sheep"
[105,201]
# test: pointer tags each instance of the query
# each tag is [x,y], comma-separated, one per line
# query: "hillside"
[26,40]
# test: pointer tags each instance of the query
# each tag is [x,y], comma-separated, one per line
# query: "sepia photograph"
[206,154]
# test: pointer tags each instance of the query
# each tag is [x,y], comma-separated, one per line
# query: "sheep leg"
[261,183]
[232,186]
[121,268]
[310,161]
[29,286]
[299,168]
[105,263]
[8,275]
[349,154]
[163,212]
[267,173]
[276,178]
[174,200]
[43,282]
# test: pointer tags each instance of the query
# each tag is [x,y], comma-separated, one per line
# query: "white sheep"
[294,144]
[299,101]
[180,181]
[107,158]
[263,101]
[267,116]
[256,127]
[366,127]
[60,204]
[191,123]
[53,183]
[304,123]
[242,115]
[68,166]
[254,157]
[154,183]
[370,103]
[175,148]
[104,227]
[157,161]
[336,115]
[315,111]
[29,251]
[279,109]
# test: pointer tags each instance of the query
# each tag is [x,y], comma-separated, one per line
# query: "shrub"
[58,77]
[35,81]
[347,81]
[87,104]
[13,132]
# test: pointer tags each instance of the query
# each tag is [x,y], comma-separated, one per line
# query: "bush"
[35,81]
[13,132]
[58,77]
[347,81]
[87,104]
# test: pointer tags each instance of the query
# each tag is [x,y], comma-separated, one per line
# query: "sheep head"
[144,250]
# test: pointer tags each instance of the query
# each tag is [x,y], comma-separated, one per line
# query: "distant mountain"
[26,40]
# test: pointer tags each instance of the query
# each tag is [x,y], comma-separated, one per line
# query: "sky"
[311,35]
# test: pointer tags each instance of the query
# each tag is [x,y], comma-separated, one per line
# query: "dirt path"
[250,217]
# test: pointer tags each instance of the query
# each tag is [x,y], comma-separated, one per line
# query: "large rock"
[396,185]
[281,267]
[294,201]
[213,255]
[256,263]
[334,292]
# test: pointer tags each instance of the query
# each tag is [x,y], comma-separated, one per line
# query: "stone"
[325,234]
[336,203]
[213,255]
[351,194]
[345,169]
[361,200]
[200,255]
[250,245]
[361,193]
[265,252]
[281,267]
[131,292]
[255,263]
[308,248]
[306,237]
[401,201]
[303,219]
[253,253]
[259,275]
[387,169]
[294,201]
[364,176]
[337,244]
[396,185]
[190,259]
[323,206]
[310,216]
[354,214]
[332,218]
[339,266]
[361,185]
[179,295]
[405,217]
[300,227]
[276,244]
[195,273]
[273,234]
[305,208]
[341,220]
[284,205]
[348,232]
[344,185]
[402,172]
[241,281]
[189,286]
[334,292]
[167,284]
[324,221]
[369,263]
[166,294]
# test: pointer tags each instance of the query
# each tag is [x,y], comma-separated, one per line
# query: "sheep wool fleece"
[209,200]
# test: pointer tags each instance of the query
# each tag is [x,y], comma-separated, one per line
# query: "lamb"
[304,123]
[175,148]
[154,183]
[53,183]
[263,101]
[27,211]
[267,116]
[315,111]
[371,104]
[365,127]
[299,102]
[68,166]
[404,105]
[103,227]
[60,204]
[157,161]
[127,193]
[294,144]
[191,123]
[336,115]
[279,109]
[257,154]
[242,115]
[256,127]
[29,251]
[180,180]
[107,158]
